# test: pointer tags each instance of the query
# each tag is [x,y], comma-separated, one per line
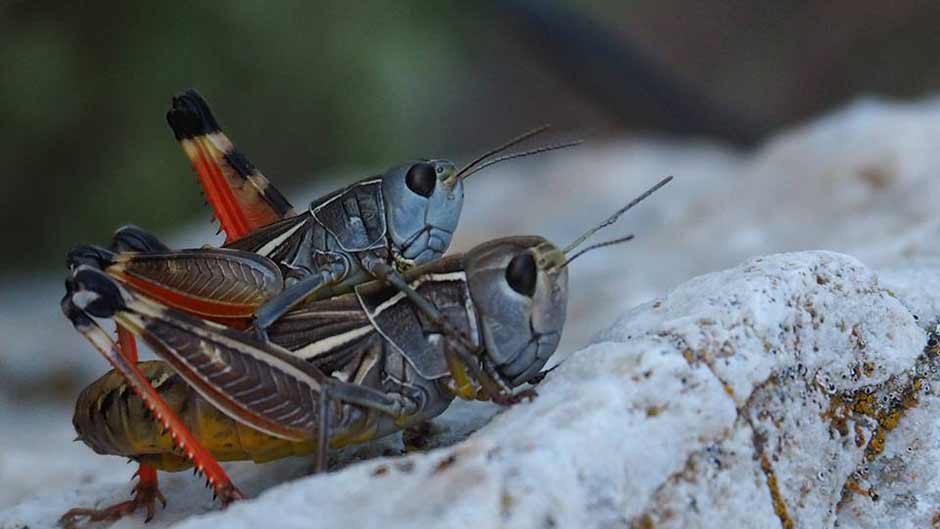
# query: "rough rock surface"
[792,390]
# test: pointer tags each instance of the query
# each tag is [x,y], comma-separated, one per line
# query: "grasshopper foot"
[418,436]
[227,494]
[509,400]
[146,493]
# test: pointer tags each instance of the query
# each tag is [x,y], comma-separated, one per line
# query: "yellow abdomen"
[112,420]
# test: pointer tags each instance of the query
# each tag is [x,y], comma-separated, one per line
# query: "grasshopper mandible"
[343,370]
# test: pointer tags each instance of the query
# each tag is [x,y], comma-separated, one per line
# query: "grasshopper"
[337,371]
[274,258]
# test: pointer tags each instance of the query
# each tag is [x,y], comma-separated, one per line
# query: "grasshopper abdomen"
[111,419]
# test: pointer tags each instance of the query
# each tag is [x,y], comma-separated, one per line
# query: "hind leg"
[101,300]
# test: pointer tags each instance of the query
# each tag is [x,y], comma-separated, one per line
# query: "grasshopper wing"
[217,283]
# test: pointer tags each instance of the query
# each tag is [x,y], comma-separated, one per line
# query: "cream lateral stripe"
[331,342]
[323,314]
[363,371]
[272,245]
[159,313]
[221,142]
[429,278]
[472,318]
[134,321]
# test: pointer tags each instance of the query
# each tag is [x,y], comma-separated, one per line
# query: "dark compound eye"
[421,179]
[521,274]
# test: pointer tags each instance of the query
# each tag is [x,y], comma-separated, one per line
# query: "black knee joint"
[93,256]
[95,293]
[131,238]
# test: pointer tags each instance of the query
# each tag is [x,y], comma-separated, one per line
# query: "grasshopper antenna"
[604,244]
[612,219]
[515,141]
[514,155]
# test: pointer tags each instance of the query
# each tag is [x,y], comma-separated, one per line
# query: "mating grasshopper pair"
[317,330]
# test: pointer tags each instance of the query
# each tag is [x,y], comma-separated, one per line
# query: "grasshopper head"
[423,200]
[520,288]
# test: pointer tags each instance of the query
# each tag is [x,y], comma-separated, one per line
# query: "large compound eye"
[421,179]
[521,274]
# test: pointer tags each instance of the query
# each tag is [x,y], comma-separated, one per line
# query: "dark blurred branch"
[618,77]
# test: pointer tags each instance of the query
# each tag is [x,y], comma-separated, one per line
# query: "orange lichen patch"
[859,435]
[865,404]
[506,502]
[888,419]
[445,463]
[780,507]
[910,398]
[853,486]
[653,411]
[643,522]
[838,414]
[857,337]
[729,390]
[888,414]
[689,356]
[841,410]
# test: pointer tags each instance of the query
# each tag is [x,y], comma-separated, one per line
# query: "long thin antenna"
[613,218]
[515,141]
[514,155]
[596,246]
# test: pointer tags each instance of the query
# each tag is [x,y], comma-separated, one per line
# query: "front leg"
[458,345]
[297,294]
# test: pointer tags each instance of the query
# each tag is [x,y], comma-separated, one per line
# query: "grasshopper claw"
[146,493]
[229,494]
[509,400]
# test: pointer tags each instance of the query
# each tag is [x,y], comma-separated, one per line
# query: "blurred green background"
[313,88]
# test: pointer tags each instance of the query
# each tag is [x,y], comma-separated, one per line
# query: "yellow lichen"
[865,404]
[780,507]
[643,522]
[853,486]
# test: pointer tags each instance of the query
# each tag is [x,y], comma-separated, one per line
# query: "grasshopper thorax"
[423,200]
[520,290]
